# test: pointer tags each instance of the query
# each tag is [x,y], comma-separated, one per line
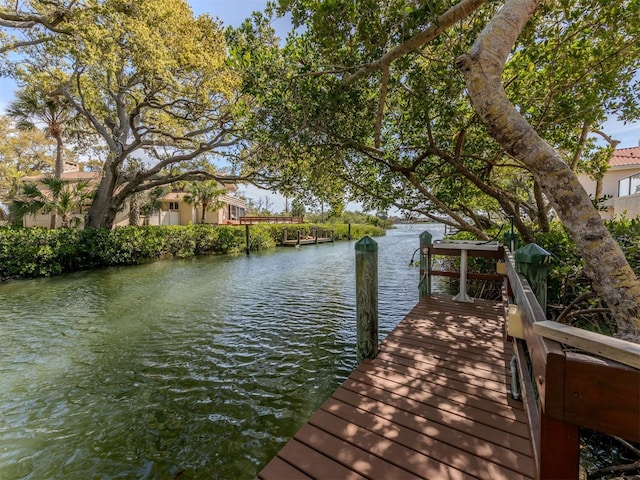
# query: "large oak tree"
[152,84]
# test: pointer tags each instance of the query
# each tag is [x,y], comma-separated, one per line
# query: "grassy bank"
[39,252]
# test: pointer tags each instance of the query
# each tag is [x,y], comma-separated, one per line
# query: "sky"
[234,12]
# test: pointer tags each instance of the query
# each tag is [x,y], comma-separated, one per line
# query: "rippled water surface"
[201,368]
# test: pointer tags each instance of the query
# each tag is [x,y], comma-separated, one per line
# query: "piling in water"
[366,298]
[247,238]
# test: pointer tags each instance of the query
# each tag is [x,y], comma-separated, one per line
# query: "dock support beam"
[425,264]
[367,298]
[559,447]
[247,238]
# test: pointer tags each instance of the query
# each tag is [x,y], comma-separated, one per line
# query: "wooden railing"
[562,389]
[428,250]
[573,389]
[272,219]
[318,235]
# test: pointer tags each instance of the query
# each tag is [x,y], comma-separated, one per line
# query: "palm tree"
[150,202]
[206,194]
[33,108]
[58,198]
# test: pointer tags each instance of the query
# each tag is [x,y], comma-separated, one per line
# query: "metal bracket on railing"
[515,379]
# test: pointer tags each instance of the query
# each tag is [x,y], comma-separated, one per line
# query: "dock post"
[366,298]
[425,264]
[349,232]
[533,261]
[316,235]
[247,238]
[298,238]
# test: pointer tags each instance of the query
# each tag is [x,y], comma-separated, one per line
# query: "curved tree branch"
[613,279]
[454,14]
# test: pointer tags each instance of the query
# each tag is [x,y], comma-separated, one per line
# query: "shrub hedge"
[40,252]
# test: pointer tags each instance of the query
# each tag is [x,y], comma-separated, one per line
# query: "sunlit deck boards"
[434,404]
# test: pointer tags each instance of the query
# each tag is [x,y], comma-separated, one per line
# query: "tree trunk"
[103,210]
[134,210]
[580,148]
[59,166]
[605,264]
[204,211]
[57,172]
[598,194]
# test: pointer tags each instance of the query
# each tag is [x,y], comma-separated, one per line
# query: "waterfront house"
[620,184]
[174,210]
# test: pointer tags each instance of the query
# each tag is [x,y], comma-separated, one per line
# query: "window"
[173,206]
[635,184]
[629,185]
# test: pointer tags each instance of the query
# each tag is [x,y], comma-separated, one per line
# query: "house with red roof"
[620,184]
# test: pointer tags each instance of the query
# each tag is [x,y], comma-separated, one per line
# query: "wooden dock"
[306,241]
[434,404]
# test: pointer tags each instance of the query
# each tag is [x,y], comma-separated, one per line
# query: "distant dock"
[318,236]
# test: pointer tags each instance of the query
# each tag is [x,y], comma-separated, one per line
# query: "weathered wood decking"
[434,404]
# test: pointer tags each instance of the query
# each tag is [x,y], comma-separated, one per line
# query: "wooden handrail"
[541,351]
[547,359]
[621,351]
[271,219]
[573,389]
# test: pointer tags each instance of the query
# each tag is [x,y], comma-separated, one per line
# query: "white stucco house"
[173,210]
[621,183]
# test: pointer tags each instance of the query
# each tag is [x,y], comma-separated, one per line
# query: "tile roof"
[69,176]
[173,196]
[625,156]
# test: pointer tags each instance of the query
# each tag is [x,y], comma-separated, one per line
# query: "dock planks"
[434,404]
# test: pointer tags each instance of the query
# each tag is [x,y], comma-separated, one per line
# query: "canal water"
[198,368]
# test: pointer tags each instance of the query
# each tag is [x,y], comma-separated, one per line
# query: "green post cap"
[533,254]
[366,244]
[425,237]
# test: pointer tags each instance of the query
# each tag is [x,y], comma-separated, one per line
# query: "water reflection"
[198,368]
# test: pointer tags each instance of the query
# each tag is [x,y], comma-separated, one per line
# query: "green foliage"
[405,134]
[41,252]
[263,237]
[205,194]
[54,196]
[340,230]
[38,252]
[22,153]
[567,279]
[151,61]
[627,234]
[350,217]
